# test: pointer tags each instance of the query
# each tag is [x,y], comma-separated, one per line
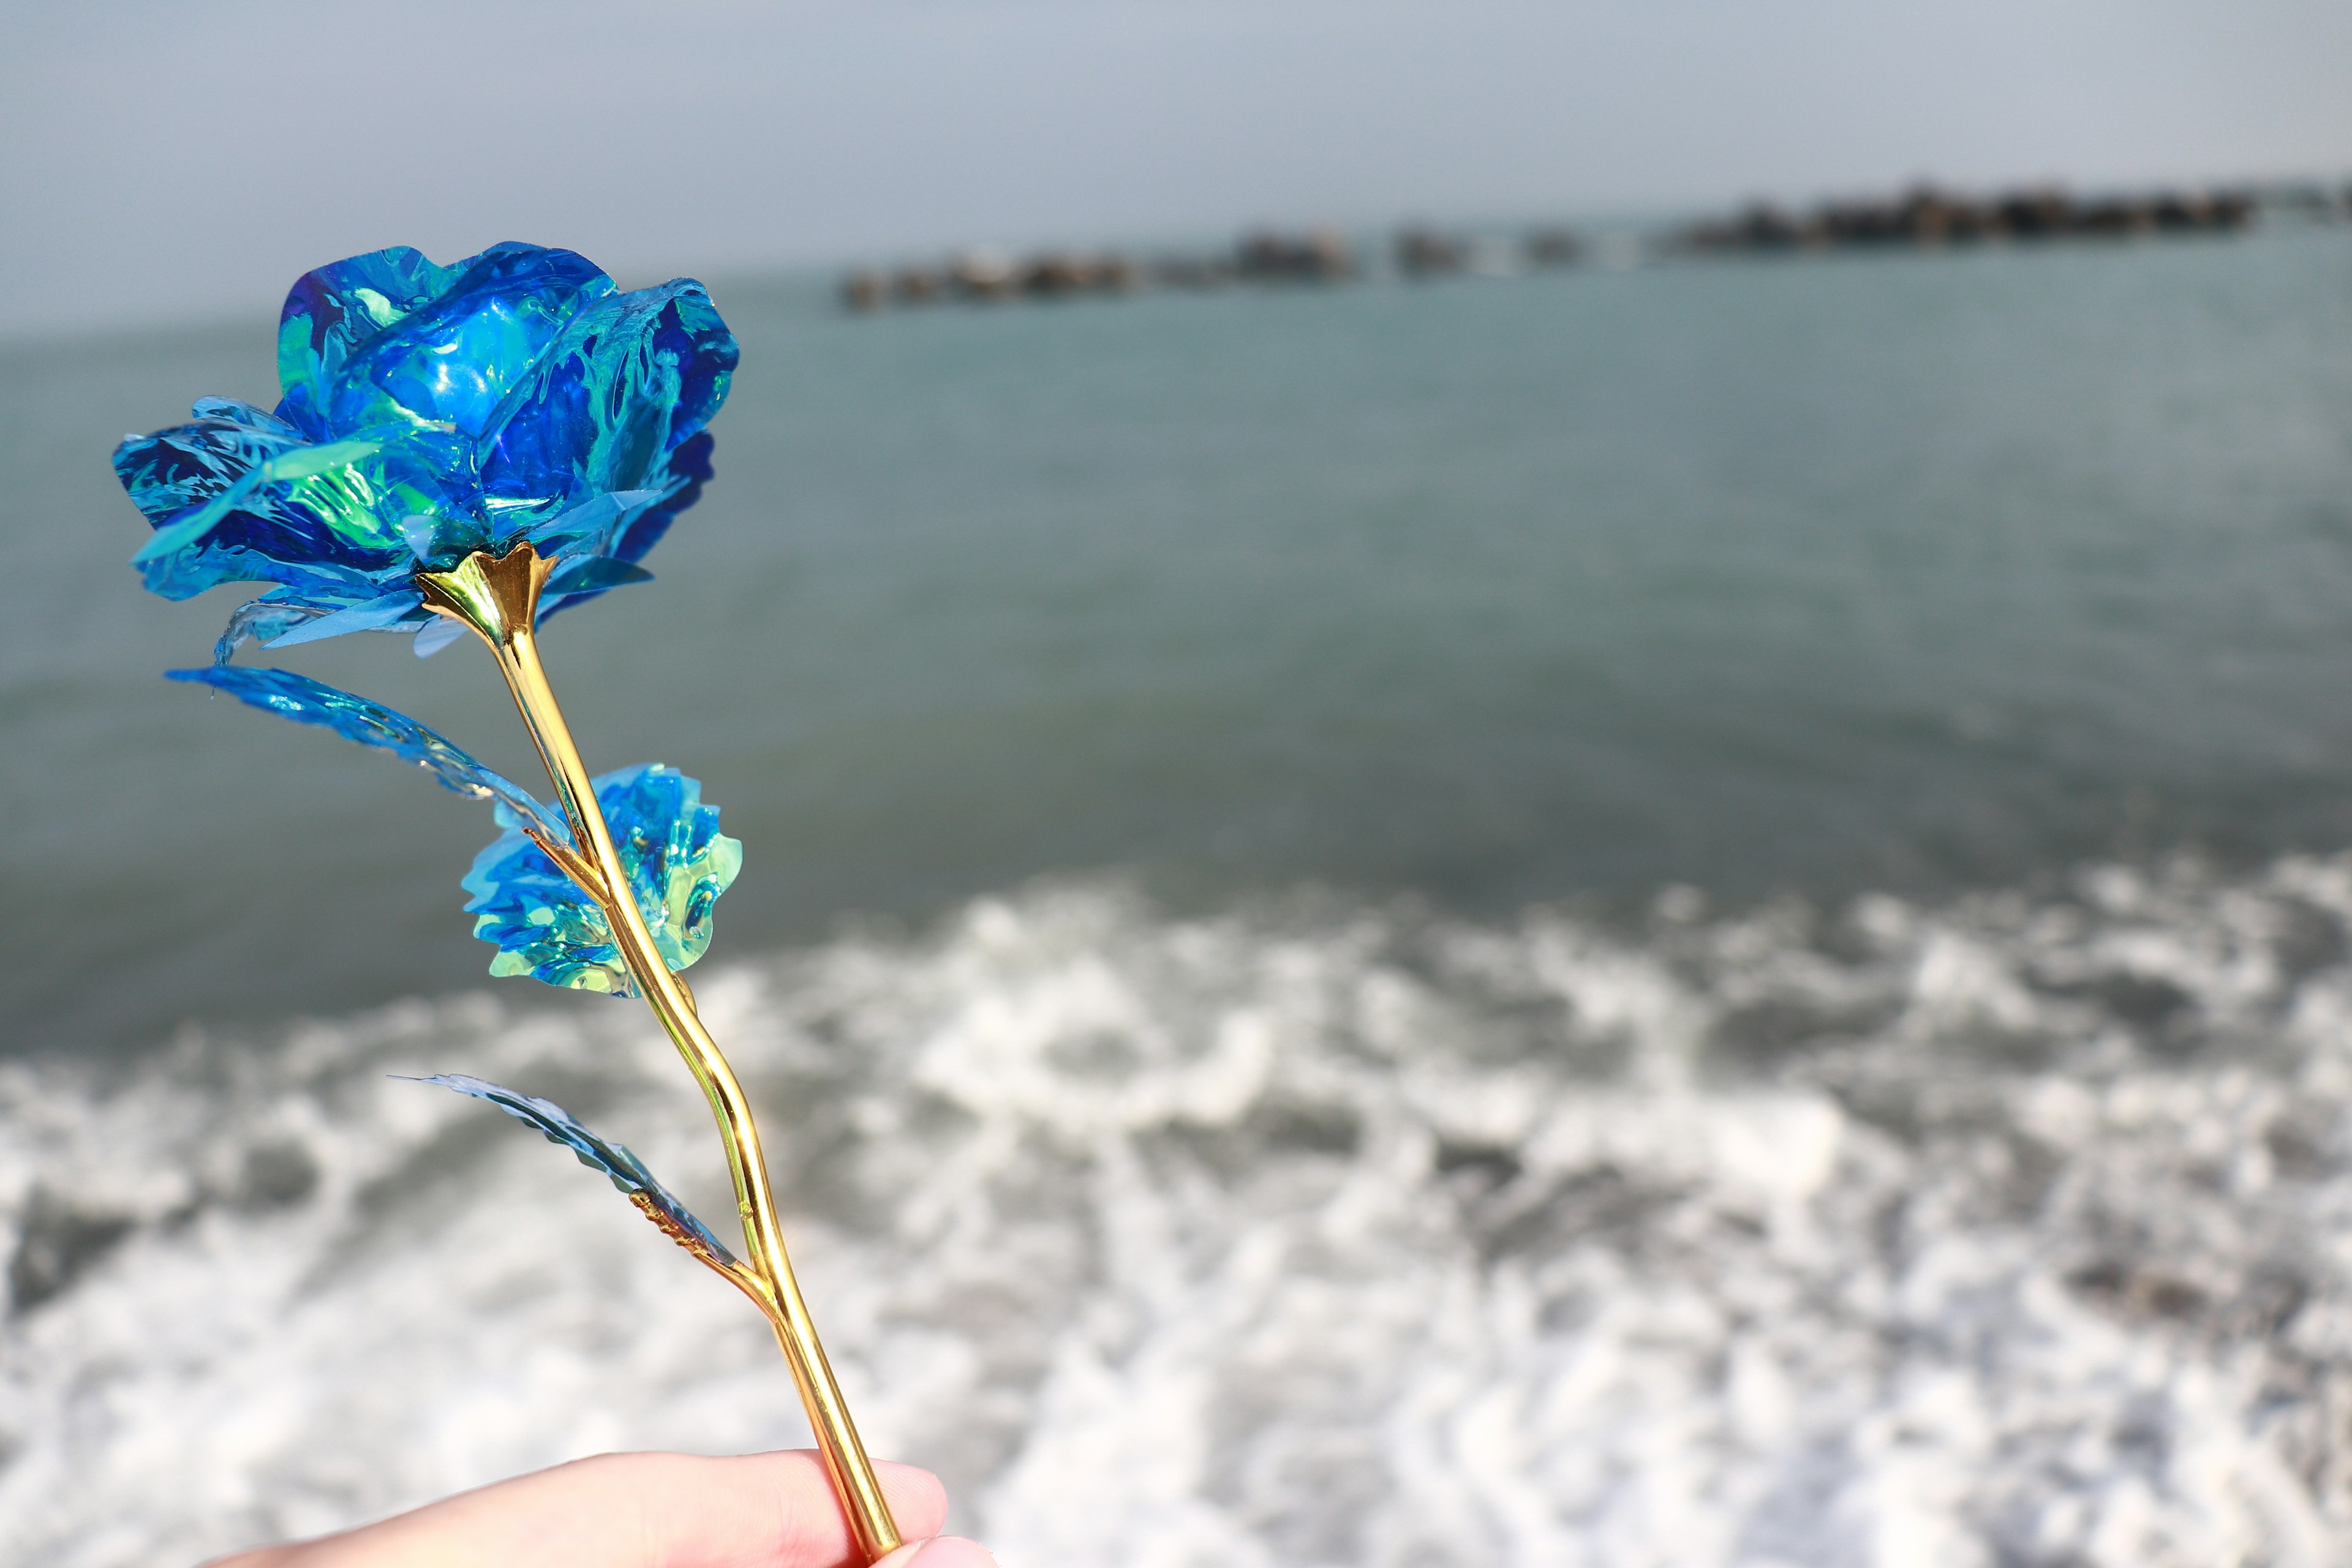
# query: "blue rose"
[430,412]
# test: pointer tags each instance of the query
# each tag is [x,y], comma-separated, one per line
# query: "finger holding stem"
[498,599]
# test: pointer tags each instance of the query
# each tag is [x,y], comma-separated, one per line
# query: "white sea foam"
[2013,1232]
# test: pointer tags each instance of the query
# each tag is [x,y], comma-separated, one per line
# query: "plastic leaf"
[308,701]
[627,1172]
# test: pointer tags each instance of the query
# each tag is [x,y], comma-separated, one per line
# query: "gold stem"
[498,599]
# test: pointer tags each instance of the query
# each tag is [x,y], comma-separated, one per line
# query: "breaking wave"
[2013,1230]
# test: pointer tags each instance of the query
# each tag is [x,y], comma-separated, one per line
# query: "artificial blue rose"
[429,412]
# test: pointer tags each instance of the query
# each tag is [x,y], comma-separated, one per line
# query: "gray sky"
[163,161]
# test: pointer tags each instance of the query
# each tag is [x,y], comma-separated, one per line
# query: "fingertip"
[939,1551]
[918,1502]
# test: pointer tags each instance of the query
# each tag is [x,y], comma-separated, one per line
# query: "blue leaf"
[627,1172]
[308,701]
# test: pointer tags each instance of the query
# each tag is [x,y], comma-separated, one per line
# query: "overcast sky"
[188,159]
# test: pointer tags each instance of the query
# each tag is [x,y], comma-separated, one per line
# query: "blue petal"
[270,617]
[593,575]
[323,516]
[452,358]
[437,635]
[627,1172]
[677,864]
[376,615]
[631,379]
[283,616]
[258,420]
[690,468]
[308,701]
[333,310]
[590,527]
[189,464]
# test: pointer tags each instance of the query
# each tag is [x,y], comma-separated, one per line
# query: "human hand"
[644,1510]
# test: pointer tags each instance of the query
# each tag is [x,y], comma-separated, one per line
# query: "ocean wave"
[2012,1230]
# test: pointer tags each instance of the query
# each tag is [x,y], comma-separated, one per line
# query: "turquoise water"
[1918,574]
[1692,917]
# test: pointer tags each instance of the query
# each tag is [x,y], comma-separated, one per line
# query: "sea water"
[1695,915]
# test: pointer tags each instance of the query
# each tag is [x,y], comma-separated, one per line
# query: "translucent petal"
[189,464]
[308,701]
[318,517]
[691,469]
[259,420]
[334,309]
[282,616]
[448,356]
[590,527]
[677,864]
[627,1172]
[271,616]
[376,615]
[437,635]
[632,378]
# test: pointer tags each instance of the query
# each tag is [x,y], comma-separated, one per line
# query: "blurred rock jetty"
[1925,218]
[1266,257]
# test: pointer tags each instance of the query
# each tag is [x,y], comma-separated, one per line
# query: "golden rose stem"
[498,599]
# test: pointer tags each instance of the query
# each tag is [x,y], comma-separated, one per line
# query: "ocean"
[1692,915]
